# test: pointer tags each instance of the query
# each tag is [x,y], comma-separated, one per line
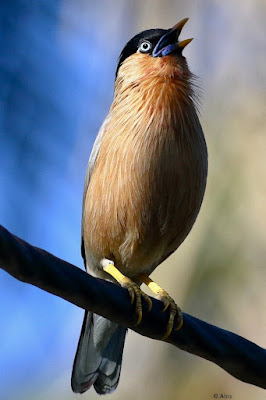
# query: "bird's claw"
[174,311]
[136,294]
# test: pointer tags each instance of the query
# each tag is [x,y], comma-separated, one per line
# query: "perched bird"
[144,186]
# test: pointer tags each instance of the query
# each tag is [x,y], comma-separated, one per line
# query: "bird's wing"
[89,171]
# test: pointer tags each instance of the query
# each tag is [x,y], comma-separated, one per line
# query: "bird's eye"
[145,47]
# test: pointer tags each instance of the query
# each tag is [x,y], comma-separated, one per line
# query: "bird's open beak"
[169,44]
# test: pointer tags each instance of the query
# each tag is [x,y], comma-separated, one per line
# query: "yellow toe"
[169,303]
[134,290]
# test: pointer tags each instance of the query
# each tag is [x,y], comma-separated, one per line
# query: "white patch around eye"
[145,47]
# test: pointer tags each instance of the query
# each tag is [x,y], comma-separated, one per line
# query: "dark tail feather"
[99,355]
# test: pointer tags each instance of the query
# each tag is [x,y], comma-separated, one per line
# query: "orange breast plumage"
[149,177]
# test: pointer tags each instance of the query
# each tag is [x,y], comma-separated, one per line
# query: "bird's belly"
[138,214]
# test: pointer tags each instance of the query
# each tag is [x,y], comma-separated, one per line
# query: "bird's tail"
[99,355]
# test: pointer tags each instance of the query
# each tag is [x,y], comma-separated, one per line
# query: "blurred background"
[57,65]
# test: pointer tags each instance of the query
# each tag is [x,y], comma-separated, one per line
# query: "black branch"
[238,356]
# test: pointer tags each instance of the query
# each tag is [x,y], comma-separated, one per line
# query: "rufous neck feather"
[155,88]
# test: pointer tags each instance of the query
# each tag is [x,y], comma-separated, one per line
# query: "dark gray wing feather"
[99,355]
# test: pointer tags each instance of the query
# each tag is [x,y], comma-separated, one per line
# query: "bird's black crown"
[151,35]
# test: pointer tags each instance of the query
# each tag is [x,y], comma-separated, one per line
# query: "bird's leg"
[163,296]
[134,290]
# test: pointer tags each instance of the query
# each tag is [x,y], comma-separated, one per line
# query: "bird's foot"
[168,302]
[136,294]
[134,290]
[174,311]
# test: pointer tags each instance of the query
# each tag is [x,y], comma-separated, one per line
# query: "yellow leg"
[162,295]
[134,291]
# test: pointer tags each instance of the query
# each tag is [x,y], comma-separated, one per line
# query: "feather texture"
[150,173]
[144,186]
[99,355]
